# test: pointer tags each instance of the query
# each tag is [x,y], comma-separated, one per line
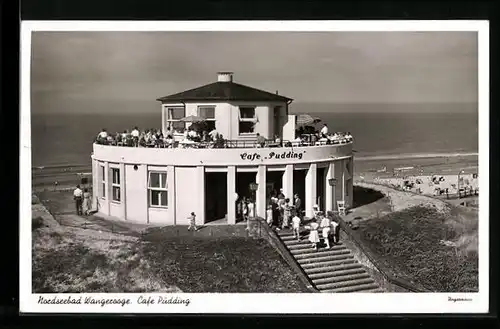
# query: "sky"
[125,72]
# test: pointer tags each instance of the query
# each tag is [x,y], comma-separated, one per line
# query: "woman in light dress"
[325,228]
[287,213]
[87,202]
[313,234]
[269,216]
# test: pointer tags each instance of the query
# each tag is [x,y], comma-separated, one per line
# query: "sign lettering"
[273,155]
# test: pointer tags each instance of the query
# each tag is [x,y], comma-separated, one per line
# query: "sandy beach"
[428,174]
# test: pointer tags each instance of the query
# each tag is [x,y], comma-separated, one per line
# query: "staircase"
[330,270]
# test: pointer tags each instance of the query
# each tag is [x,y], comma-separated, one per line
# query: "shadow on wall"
[363,196]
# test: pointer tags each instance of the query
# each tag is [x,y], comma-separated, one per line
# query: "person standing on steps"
[325,228]
[78,197]
[287,213]
[336,231]
[313,234]
[296,226]
[298,205]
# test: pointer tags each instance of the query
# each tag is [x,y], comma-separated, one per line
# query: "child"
[192,222]
[314,235]
[269,216]
[296,226]
[316,211]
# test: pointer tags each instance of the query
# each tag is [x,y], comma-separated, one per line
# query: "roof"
[224,91]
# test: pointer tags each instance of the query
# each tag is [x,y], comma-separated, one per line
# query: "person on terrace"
[261,140]
[103,134]
[213,134]
[124,135]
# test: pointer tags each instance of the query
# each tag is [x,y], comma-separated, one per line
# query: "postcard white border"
[261,303]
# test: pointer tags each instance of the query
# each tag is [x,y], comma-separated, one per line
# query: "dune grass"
[221,265]
[421,244]
[75,260]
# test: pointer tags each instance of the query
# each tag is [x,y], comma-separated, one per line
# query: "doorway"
[321,188]
[243,181]
[274,181]
[299,184]
[215,196]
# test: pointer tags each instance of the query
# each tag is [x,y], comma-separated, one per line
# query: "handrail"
[413,287]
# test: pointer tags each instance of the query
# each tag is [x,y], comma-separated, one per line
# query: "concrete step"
[304,241]
[306,248]
[291,237]
[328,258]
[343,284]
[327,274]
[321,253]
[358,288]
[330,265]
[285,232]
[340,278]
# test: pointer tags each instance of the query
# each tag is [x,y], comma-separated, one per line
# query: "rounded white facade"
[163,186]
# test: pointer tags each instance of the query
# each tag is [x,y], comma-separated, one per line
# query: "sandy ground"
[400,200]
[420,171]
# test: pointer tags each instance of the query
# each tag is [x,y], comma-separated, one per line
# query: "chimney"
[225,76]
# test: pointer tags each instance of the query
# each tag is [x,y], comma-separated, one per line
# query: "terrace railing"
[225,144]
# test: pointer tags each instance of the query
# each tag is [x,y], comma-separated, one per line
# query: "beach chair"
[341,208]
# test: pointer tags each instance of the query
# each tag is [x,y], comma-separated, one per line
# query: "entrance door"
[215,196]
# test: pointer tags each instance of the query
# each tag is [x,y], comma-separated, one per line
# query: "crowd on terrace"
[198,136]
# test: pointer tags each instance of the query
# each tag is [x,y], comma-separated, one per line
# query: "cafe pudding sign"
[272,155]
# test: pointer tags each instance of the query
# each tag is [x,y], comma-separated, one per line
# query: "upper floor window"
[174,114]
[207,113]
[247,120]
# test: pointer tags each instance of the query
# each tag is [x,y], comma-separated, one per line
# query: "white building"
[164,185]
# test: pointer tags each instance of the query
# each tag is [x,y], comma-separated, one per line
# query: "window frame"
[200,107]
[115,185]
[252,120]
[102,178]
[161,189]
[170,121]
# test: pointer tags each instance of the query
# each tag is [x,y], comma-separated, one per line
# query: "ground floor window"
[102,180]
[115,184]
[157,189]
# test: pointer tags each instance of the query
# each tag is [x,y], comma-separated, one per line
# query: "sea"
[66,139]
